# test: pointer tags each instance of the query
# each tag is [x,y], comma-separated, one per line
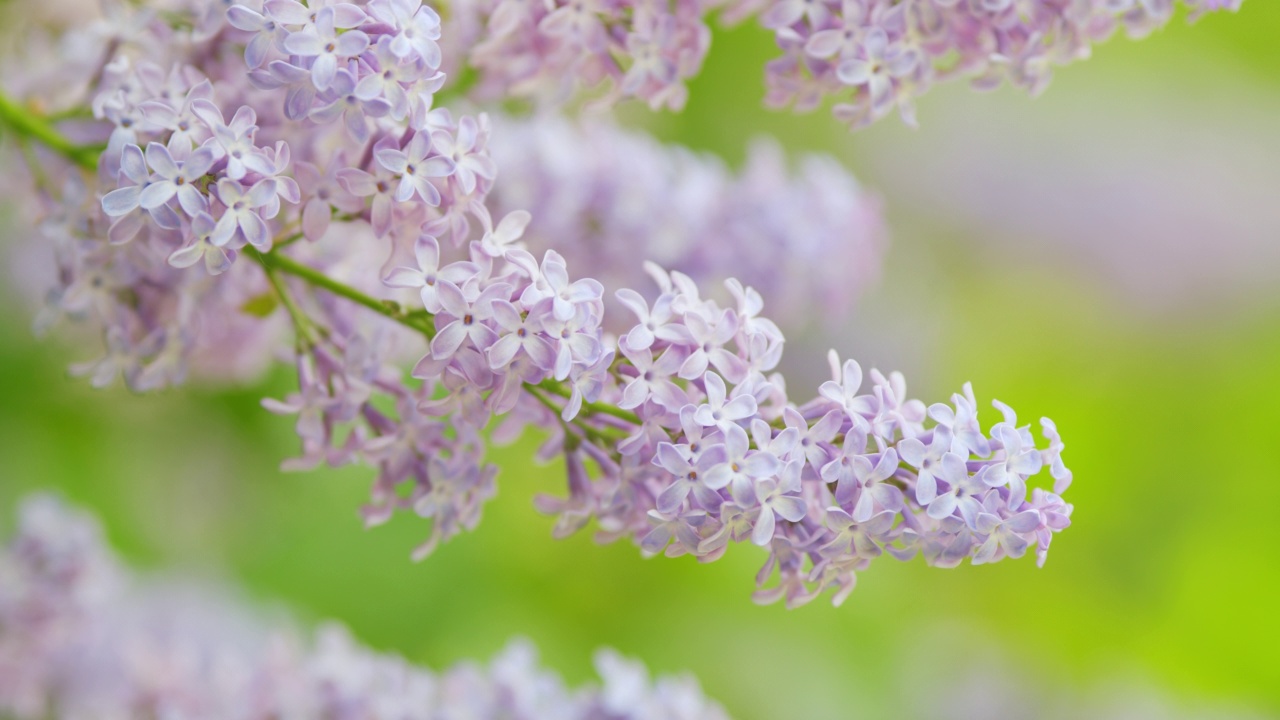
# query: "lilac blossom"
[124,200]
[464,315]
[687,477]
[518,333]
[416,165]
[466,151]
[242,222]
[327,197]
[429,273]
[418,28]
[324,46]
[641,50]
[235,141]
[356,112]
[653,379]
[266,30]
[176,179]
[201,248]
[389,83]
[728,438]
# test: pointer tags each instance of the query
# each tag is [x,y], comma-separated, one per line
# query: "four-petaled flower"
[416,164]
[742,467]
[174,178]
[519,332]
[241,216]
[720,412]
[429,273]
[326,45]
[463,311]
[778,497]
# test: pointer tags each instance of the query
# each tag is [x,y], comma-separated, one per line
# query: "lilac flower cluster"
[373,68]
[155,318]
[612,199]
[719,455]
[877,54]
[187,181]
[678,435]
[80,637]
[676,431]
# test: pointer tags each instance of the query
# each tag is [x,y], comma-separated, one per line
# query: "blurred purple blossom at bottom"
[81,638]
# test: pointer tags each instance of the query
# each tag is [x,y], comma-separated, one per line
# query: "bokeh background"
[1107,254]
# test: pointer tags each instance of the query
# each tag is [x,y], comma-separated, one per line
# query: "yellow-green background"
[1168,583]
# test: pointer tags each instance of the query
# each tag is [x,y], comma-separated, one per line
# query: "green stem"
[306,332]
[594,408]
[595,434]
[30,125]
[33,164]
[285,264]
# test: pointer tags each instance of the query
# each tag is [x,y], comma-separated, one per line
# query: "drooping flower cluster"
[677,432]
[79,637]
[872,54]
[678,435]
[612,199]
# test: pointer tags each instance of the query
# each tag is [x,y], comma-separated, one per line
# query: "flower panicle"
[678,434]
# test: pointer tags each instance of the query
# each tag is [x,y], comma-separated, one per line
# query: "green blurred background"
[1107,254]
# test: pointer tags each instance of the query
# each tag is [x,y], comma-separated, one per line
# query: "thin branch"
[30,125]
[307,334]
[389,308]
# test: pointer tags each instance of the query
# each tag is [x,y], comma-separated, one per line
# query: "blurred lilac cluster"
[882,54]
[612,199]
[876,54]
[81,638]
[547,51]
